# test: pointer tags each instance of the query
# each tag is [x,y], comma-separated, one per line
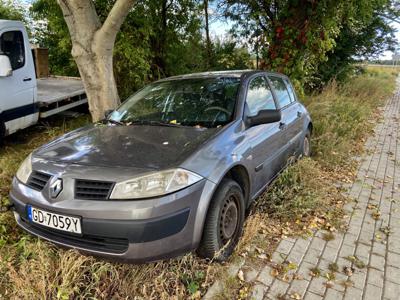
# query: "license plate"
[55,221]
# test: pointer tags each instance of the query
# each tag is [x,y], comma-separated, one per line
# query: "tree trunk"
[98,79]
[208,40]
[92,49]
[161,38]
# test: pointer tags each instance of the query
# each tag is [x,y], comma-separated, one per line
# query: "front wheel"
[224,222]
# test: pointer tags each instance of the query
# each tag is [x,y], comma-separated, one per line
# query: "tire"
[306,145]
[224,222]
[2,132]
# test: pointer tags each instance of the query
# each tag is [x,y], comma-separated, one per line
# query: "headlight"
[25,169]
[154,184]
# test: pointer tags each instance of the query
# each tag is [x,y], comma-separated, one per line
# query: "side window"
[290,90]
[12,45]
[281,91]
[259,96]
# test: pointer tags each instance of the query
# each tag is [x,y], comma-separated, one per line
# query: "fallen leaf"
[240,275]
[274,272]
[347,283]
[348,271]
[295,296]
[329,284]
[262,256]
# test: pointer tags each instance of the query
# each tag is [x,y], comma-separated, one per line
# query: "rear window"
[290,90]
[281,91]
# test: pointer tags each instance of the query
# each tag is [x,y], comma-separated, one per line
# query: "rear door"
[266,139]
[289,116]
[17,91]
[300,112]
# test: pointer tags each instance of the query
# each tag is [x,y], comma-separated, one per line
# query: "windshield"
[204,102]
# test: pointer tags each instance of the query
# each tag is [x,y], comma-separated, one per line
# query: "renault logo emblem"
[56,187]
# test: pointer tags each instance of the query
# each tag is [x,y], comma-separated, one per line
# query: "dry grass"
[304,197]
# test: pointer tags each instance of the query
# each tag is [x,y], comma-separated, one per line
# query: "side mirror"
[5,66]
[107,113]
[264,117]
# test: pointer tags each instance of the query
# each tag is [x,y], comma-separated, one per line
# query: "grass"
[304,197]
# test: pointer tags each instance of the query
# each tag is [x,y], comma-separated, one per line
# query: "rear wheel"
[306,147]
[2,132]
[224,222]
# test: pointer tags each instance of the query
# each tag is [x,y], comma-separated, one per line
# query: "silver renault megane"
[171,170]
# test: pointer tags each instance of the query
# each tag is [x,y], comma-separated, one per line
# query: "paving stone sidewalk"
[373,234]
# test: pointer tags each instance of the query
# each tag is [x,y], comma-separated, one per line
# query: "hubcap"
[229,219]
[306,147]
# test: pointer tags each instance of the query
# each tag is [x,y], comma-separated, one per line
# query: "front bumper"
[132,231]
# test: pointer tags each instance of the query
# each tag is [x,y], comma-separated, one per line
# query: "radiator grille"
[92,189]
[38,180]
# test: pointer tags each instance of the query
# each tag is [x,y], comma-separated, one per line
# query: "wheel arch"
[310,127]
[240,174]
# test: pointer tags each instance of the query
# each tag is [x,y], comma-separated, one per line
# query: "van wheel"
[224,222]
[306,147]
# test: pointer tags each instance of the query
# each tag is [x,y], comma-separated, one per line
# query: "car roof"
[213,74]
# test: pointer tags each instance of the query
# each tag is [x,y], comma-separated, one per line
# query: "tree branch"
[115,18]
[393,19]
[81,17]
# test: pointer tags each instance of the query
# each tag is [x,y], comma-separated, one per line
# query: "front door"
[266,139]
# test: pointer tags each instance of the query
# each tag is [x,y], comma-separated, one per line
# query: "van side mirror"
[264,117]
[107,113]
[5,66]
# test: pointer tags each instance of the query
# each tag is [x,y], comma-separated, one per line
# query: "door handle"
[299,114]
[27,79]
[282,126]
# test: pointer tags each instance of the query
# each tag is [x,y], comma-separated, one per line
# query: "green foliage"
[51,32]
[157,39]
[9,11]
[356,40]
[228,56]
[300,37]
[311,41]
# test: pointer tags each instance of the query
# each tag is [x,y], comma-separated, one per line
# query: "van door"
[17,96]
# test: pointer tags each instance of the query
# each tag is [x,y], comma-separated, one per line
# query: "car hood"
[139,146]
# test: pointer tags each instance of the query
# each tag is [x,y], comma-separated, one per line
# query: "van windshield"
[204,102]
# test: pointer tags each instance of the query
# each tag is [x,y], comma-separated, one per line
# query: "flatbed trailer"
[56,94]
[25,99]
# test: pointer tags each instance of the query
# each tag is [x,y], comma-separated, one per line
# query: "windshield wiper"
[152,123]
[115,122]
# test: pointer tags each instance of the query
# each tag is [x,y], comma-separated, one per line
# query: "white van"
[23,98]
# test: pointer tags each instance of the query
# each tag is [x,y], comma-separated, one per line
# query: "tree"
[51,32]
[135,54]
[361,40]
[207,28]
[176,41]
[228,55]
[8,11]
[92,49]
[296,36]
